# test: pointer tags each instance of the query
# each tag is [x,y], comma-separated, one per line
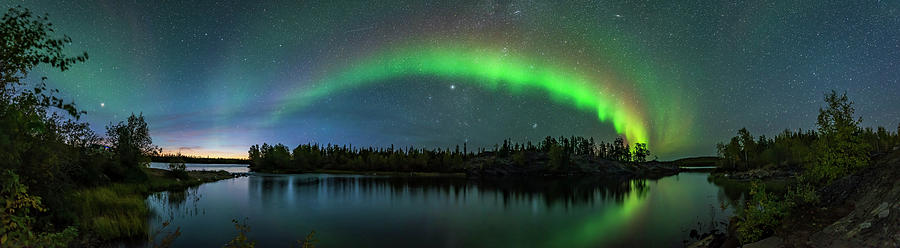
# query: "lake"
[377,211]
[231,168]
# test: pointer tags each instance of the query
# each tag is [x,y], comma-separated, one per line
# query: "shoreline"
[603,168]
[117,212]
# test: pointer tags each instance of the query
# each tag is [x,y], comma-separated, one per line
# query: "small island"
[563,156]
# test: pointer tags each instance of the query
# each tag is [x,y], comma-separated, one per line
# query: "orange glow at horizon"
[204,153]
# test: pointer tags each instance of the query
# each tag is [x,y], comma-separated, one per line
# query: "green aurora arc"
[489,68]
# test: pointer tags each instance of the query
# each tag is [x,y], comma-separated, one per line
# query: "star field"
[214,77]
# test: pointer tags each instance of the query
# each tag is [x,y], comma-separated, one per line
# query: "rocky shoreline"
[859,210]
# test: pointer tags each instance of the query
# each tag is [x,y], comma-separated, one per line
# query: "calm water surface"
[232,168]
[374,211]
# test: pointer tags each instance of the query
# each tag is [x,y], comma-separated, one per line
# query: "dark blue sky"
[209,76]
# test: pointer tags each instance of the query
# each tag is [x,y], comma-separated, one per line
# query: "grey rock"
[865,225]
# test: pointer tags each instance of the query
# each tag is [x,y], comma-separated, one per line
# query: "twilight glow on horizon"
[214,77]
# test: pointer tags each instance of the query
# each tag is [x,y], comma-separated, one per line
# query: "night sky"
[213,78]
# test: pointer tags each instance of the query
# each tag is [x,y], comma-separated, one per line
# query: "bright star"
[452,87]
[102,104]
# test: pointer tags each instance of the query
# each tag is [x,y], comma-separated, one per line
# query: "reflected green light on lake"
[376,211]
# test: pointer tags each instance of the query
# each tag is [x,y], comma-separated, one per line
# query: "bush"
[15,221]
[800,195]
[178,170]
[761,215]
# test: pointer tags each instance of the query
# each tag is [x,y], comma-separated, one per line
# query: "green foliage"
[760,216]
[788,149]
[118,210]
[131,143]
[559,160]
[178,169]
[27,43]
[641,152]
[800,195]
[62,162]
[241,240]
[111,212]
[519,158]
[16,221]
[840,149]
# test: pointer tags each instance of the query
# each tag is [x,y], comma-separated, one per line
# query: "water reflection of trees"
[565,191]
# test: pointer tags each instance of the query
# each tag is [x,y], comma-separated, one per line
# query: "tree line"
[837,147]
[179,158]
[312,157]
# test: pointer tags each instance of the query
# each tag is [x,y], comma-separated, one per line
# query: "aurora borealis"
[212,78]
[473,64]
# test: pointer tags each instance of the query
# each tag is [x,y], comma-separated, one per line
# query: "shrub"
[16,207]
[178,170]
[802,194]
[761,215]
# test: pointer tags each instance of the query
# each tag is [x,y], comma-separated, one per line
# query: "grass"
[114,211]
[118,211]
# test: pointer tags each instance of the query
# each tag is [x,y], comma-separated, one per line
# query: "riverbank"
[117,211]
[859,210]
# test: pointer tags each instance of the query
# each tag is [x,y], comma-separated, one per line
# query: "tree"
[559,161]
[177,168]
[620,151]
[26,42]
[840,149]
[519,158]
[255,156]
[641,152]
[748,147]
[132,145]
